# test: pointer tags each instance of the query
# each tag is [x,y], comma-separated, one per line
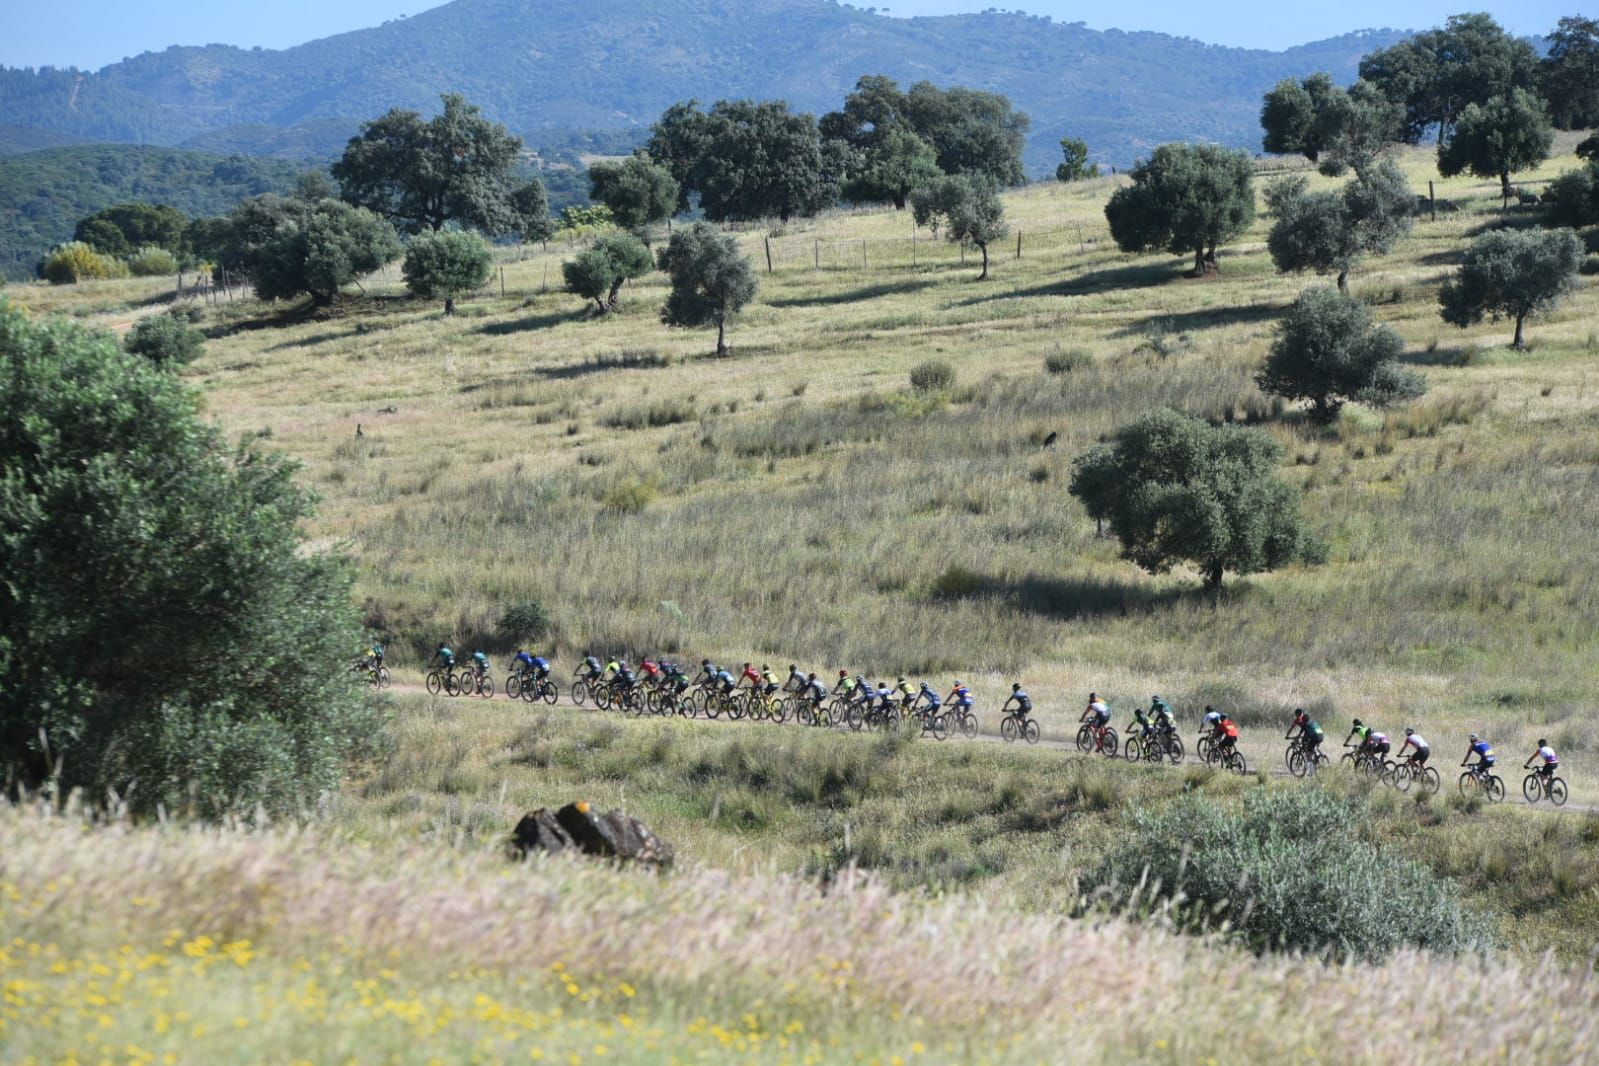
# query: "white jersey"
[1419,741]
[1547,754]
[1099,708]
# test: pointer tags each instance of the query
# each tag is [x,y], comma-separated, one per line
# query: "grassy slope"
[795,523]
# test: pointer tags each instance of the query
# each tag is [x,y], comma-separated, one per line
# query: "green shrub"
[166,340]
[1285,872]
[935,375]
[1065,360]
[955,583]
[629,496]
[75,262]
[648,416]
[524,622]
[152,262]
[164,631]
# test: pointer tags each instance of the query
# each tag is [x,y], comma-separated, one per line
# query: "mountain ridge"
[557,65]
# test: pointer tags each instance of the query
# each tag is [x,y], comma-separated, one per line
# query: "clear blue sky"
[92,33]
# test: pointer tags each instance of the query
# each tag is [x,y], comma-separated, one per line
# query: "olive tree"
[1074,164]
[318,249]
[1498,138]
[711,280]
[1328,351]
[446,263]
[165,629]
[1184,198]
[1177,490]
[1511,274]
[969,209]
[1333,127]
[896,164]
[598,273]
[1329,232]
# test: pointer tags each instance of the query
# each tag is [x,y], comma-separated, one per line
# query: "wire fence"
[867,255]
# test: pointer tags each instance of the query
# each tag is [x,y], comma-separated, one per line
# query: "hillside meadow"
[849,898]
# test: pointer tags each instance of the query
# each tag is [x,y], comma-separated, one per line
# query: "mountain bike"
[377,675]
[962,720]
[445,680]
[476,684]
[1485,781]
[584,685]
[1107,740]
[1017,724]
[1227,758]
[1535,786]
[1304,760]
[1408,772]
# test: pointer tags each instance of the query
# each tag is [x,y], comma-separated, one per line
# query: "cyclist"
[845,686]
[650,672]
[960,696]
[768,683]
[864,692]
[444,657]
[933,702]
[1378,744]
[1097,713]
[613,668]
[1484,753]
[1551,761]
[796,681]
[522,663]
[907,695]
[1226,741]
[1309,735]
[724,682]
[1212,719]
[708,672]
[480,663]
[1141,723]
[376,652]
[1363,732]
[814,691]
[1158,707]
[1023,702]
[591,668]
[1165,717]
[1415,740]
[750,674]
[885,697]
[677,681]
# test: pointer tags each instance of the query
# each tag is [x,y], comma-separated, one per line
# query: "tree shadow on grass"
[1110,279]
[1203,318]
[531,323]
[1072,598]
[1452,355]
[870,292]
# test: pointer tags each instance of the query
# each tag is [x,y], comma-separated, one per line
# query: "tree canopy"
[1498,138]
[598,273]
[1335,128]
[1511,274]
[288,247]
[971,131]
[969,209]
[895,165]
[1184,198]
[746,160]
[1568,77]
[1177,490]
[1329,232]
[1328,350]
[1572,199]
[711,280]
[164,630]
[446,263]
[122,229]
[1074,164]
[421,174]
[640,192]
[1436,74]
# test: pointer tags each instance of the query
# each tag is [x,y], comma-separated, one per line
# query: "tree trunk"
[899,201]
[1519,344]
[449,305]
[1213,577]
[721,336]
[1504,188]
[1199,262]
[1343,281]
[984,249]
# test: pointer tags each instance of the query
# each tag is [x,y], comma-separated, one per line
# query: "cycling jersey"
[445,656]
[1142,721]
[962,696]
[1417,741]
[1024,703]
[592,665]
[885,696]
[480,661]
[650,669]
[904,689]
[724,679]
[933,702]
[1101,711]
[750,674]
[524,659]
[770,680]
[846,684]
[1485,752]
[1211,719]
[1229,729]
[1547,754]
[1363,732]
[541,665]
[815,690]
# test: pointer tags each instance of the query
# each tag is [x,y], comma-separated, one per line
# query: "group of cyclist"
[1157,722]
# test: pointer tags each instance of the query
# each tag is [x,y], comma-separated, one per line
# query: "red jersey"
[1229,728]
[751,674]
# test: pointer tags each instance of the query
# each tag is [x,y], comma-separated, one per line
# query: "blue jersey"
[1024,702]
[1484,750]
[524,658]
[540,663]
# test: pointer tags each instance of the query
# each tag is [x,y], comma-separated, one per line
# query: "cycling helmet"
[764,668]
[1016,686]
[1359,723]
[1209,709]
[924,686]
[811,678]
[793,669]
[1154,699]
[705,662]
[746,666]
[1409,732]
[843,673]
[1542,743]
[1092,696]
[901,679]
[1473,736]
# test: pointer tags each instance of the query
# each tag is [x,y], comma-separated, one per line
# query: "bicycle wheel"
[1532,788]
[452,684]
[550,691]
[486,687]
[1174,749]
[1557,792]
[1430,780]
[580,692]
[1236,762]
[513,687]
[1133,750]
[1468,781]
[940,728]
[1296,763]
[1008,729]
[1401,776]
[1108,745]
[1202,748]
[1496,788]
[1085,738]
[435,683]
[383,677]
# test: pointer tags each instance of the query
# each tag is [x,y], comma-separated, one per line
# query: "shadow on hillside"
[1110,279]
[531,323]
[1203,318]
[1456,355]
[1512,219]
[870,292]
[1067,599]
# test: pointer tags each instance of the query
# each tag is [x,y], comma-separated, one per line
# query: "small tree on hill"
[1329,232]
[598,273]
[639,192]
[530,205]
[711,280]
[1572,199]
[1177,490]
[896,164]
[447,263]
[318,249]
[970,210]
[1075,165]
[136,539]
[75,261]
[1329,351]
[165,340]
[1496,139]
[1511,274]
[1184,198]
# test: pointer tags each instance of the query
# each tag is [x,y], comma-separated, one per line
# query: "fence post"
[1080,246]
[963,253]
[1018,243]
[1432,199]
[545,286]
[502,282]
[864,265]
[913,249]
[768,242]
[818,253]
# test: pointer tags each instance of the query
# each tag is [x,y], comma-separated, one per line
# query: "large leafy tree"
[1436,74]
[1184,198]
[711,280]
[318,249]
[1569,75]
[422,174]
[123,229]
[969,209]
[1328,351]
[1333,127]
[746,160]
[678,143]
[447,263]
[894,166]
[971,131]
[1329,232]
[1511,274]
[640,192]
[164,630]
[1177,490]
[598,273]
[1498,138]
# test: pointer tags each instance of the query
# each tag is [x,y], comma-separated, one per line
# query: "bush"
[166,340]
[447,264]
[629,496]
[1328,350]
[1283,873]
[935,375]
[956,583]
[524,622]
[75,262]
[1065,360]
[162,625]
[152,262]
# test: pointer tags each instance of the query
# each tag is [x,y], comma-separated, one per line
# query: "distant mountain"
[546,67]
[44,194]
[17,139]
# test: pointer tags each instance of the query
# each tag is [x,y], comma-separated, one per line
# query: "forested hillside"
[541,66]
[43,194]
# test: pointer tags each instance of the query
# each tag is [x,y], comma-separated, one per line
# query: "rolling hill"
[543,66]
